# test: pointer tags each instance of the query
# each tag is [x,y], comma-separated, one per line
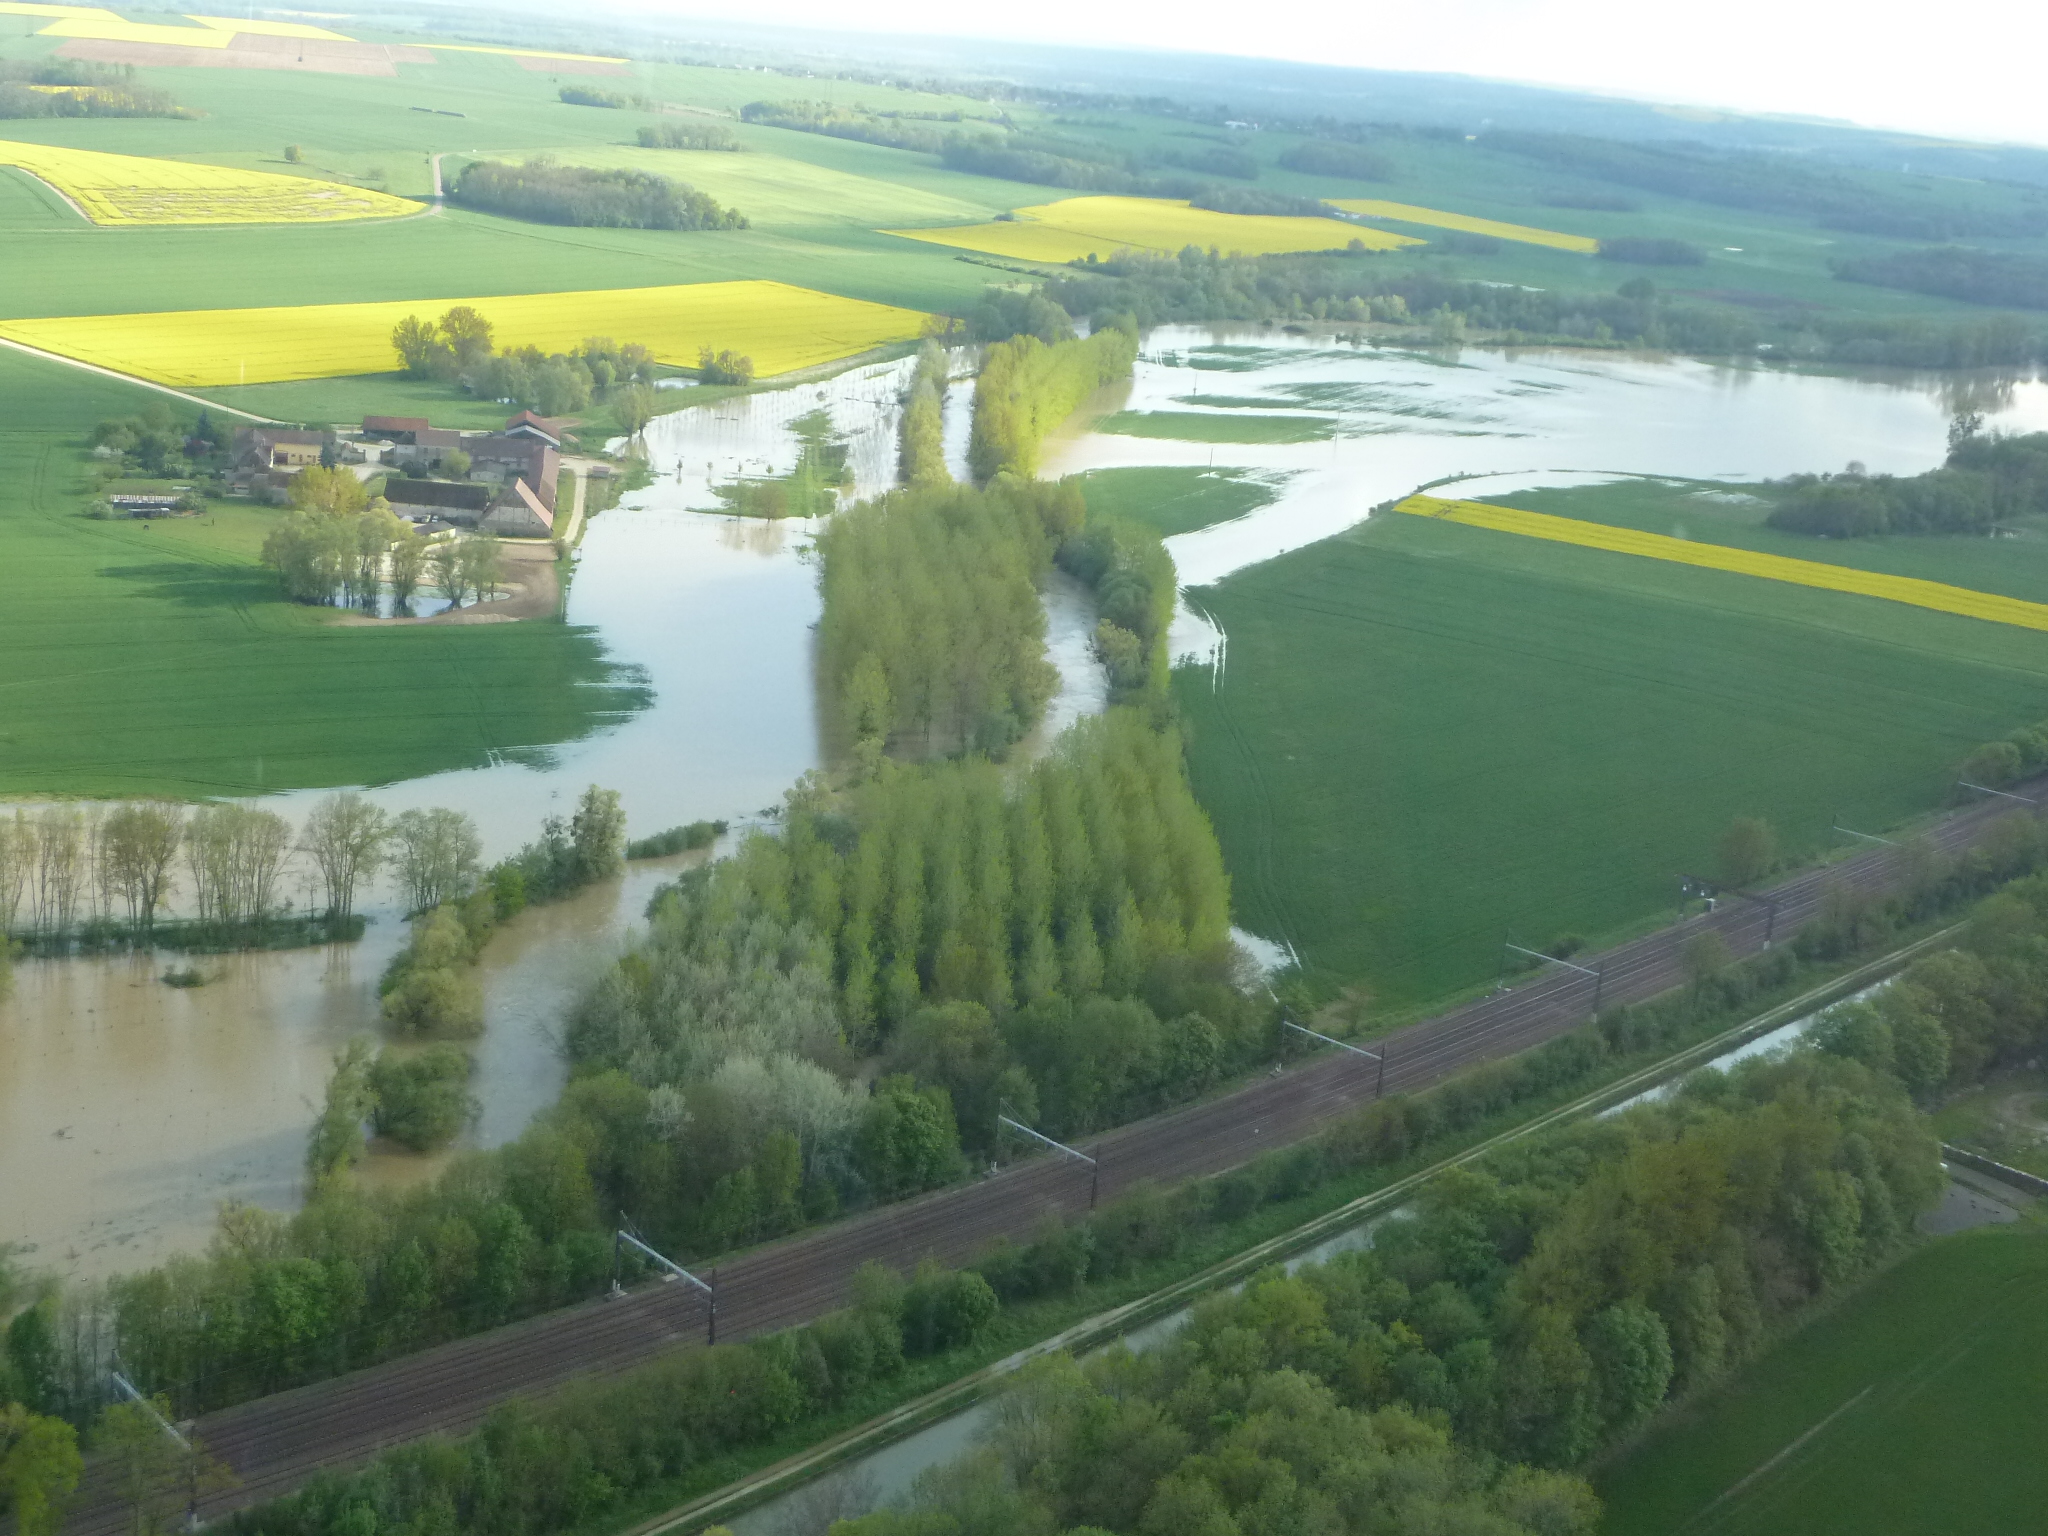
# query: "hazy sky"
[1978,70]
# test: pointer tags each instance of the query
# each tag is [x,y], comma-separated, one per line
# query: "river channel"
[139,1107]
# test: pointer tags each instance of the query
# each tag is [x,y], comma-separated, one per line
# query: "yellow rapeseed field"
[270,28]
[1939,596]
[134,189]
[1434,218]
[101,25]
[1077,227]
[780,327]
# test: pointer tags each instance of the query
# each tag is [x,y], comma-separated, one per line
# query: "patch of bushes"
[683,839]
[672,135]
[586,197]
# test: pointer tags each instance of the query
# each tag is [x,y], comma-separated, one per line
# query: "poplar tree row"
[1027,388]
[933,634]
[921,452]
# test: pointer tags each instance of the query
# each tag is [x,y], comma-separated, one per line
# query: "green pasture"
[1201,427]
[1915,1406]
[1175,499]
[2015,564]
[157,657]
[1428,738]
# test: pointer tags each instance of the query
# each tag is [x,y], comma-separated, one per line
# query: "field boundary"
[1105,1327]
[140,383]
[1910,590]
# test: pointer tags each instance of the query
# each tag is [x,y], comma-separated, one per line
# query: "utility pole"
[128,1390]
[1379,1088]
[1694,884]
[1094,1167]
[1599,976]
[621,1238]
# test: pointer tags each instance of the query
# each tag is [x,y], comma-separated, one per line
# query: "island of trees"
[550,193]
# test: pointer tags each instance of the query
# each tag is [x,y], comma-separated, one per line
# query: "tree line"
[1456,1374]
[1333,157]
[1202,286]
[72,88]
[1062,942]
[689,135]
[1027,388]
[96,873]
[933,635]
[1835,198]
[590,197]
[461,345]
[1987,479]
[921,450]
[2006,278]
[340,546]
[356,1276]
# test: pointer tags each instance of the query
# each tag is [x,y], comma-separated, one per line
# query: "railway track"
[274,1444]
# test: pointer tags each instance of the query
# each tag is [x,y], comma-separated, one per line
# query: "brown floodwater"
[130,1109]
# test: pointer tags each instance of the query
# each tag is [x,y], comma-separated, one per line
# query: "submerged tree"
[439,856]
[346,837]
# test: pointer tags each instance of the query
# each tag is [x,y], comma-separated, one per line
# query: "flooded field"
[140,1106]
[1397,420]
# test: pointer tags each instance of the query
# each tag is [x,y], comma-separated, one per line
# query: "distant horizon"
[1805,60]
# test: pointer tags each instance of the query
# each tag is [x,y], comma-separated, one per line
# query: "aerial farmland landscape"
[1122,772]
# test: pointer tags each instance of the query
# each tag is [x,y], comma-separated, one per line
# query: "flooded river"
[138,1106]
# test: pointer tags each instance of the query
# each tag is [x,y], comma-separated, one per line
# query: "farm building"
[527,458]
[517,513]
[288,448]
[453,501]
[539,428]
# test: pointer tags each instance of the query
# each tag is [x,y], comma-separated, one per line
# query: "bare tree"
[483,560]
[60,855]
[451,571]
[235,854]
[17,854]
[439,856]
[346,836]
[406,564]
[137,846]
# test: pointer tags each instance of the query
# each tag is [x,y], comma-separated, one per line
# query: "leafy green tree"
[336,1141]
[907,1141]
[423,1101]
[439,856]
[468,333]
[597,835]
[1631,1353]
[39,1469]
[1705,956]
[1748,851]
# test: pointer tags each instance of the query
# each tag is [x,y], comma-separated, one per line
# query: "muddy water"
[140,1107]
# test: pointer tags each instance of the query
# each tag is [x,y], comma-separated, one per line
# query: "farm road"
[276,1443]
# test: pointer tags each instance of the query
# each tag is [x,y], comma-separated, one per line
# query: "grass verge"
[1914,1405]
[1442,736]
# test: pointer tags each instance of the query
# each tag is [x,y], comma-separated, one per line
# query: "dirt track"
[275,1443]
